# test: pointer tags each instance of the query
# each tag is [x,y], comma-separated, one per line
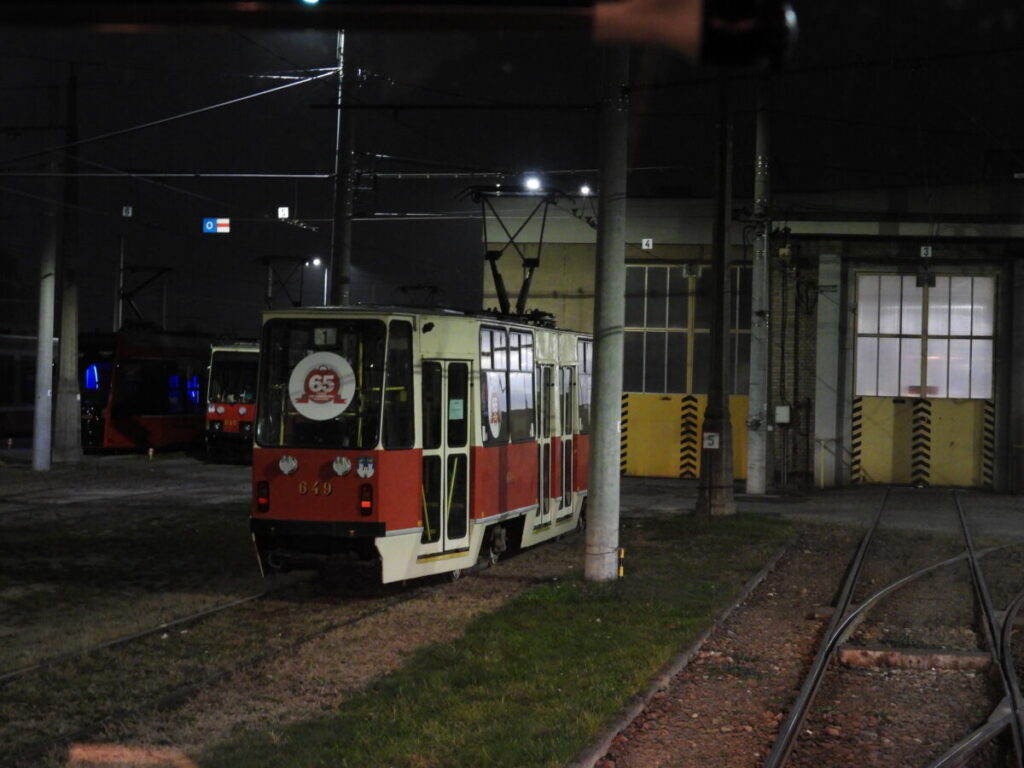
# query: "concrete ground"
[931,509]
[912,508]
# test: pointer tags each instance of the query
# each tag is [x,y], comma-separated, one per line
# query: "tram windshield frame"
[287,342]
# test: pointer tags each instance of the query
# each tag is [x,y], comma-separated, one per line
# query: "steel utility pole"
[602,538]
[715,495]
[344,188]
[758,421]
[67,433]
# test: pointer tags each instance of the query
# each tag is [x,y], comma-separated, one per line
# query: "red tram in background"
[142,388]
[419,440]
[231,399]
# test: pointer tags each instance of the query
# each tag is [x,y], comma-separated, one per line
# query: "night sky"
[878,93]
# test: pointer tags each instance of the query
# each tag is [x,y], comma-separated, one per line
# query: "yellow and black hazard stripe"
[988,446]
[857,441]
[921,444]
[689,438]
[624,433]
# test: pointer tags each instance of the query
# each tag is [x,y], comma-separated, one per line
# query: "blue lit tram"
[416,440]
[142,389]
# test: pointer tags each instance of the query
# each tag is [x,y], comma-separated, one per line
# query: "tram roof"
[235,346]
[531,320]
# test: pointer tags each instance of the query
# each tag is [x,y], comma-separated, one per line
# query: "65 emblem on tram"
[321,386]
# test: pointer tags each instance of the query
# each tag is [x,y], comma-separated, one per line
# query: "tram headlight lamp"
[288,464]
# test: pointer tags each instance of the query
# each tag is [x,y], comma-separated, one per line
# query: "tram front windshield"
[232,377]
[321,383]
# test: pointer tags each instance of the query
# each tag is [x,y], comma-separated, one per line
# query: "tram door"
[445,421]
[566,412]
[545,463]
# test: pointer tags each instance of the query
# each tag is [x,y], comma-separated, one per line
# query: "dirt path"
[724,709]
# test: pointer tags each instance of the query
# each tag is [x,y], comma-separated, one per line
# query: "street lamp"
[316,261]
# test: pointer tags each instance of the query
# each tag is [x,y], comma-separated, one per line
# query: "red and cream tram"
[421,440]
[231,399]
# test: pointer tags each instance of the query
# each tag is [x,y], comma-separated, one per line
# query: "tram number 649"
[315,488]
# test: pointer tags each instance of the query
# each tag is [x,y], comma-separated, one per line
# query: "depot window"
[919,340]
[667,341]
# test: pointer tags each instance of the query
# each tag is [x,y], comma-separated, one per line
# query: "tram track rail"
[13,674]
[997,629]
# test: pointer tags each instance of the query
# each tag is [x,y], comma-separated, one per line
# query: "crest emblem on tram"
[322,386]
[364,466]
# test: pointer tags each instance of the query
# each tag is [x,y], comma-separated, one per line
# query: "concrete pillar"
[43,418]
[67,432]
[828,403]
[602,538]
[1016,393]
[760,342]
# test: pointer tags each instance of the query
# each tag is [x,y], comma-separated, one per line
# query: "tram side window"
[584,378]
[520,384]
[398,399]
[150,388]
[566,405]
[494,385]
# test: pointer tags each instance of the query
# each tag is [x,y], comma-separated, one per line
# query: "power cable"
[165,120]
[203,198]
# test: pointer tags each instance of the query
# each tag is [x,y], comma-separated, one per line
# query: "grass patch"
[74,583]
[530,684]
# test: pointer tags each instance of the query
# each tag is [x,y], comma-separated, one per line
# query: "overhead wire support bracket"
[483,195]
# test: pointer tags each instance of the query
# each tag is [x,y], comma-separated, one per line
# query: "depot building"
[891,320]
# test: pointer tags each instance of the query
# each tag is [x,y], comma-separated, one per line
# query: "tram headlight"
[263,496]
[288,464]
